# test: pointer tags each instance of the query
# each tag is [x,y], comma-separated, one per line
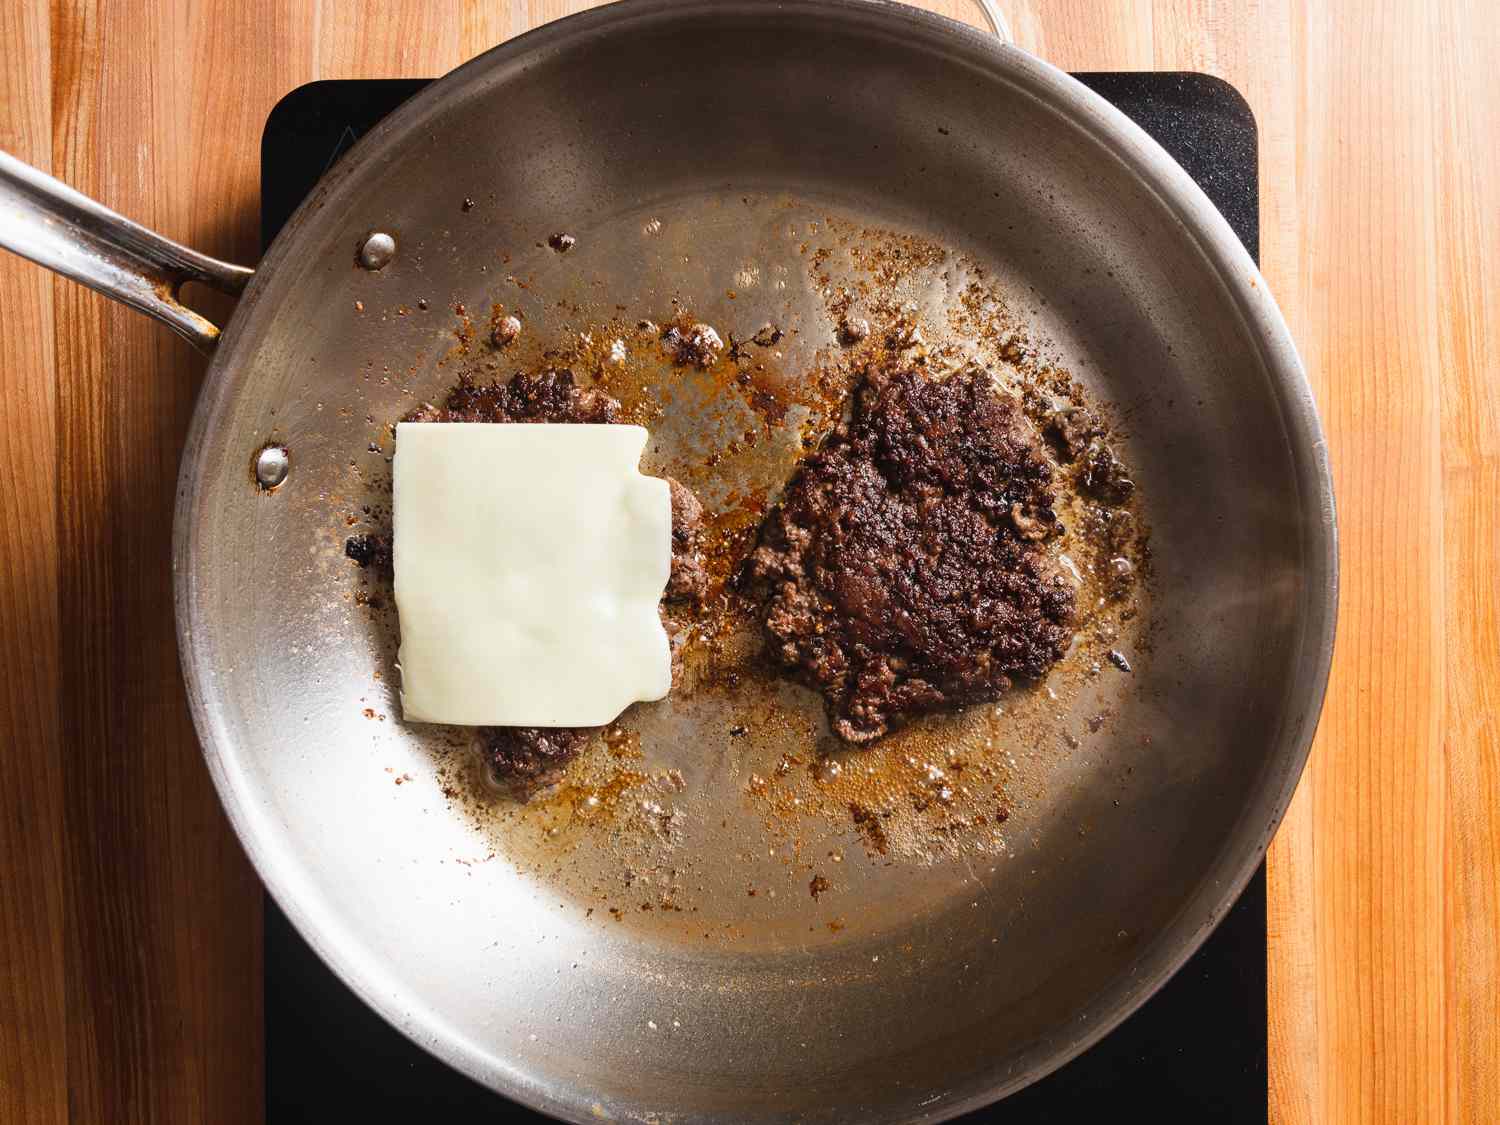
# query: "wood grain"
[1378,124]
[33,1080]
[131,922]
[163,912]
[1467,251]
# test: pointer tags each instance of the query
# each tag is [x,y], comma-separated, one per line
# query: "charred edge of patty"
[527,759]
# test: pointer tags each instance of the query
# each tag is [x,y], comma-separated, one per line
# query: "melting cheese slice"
[530,561]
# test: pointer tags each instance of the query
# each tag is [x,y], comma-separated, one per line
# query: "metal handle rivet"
[272,464]
[377,251]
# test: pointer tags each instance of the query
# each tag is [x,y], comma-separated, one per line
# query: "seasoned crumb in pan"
[369,552]
[697,345]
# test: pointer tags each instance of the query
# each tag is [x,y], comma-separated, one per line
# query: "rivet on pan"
[272,464]
[377,251]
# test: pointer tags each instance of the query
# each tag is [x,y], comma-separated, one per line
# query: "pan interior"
[694,152]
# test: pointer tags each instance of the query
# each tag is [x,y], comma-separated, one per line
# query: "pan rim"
[1208,233]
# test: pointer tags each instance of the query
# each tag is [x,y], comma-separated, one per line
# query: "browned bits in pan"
[697,345]
[507,331]
[852,330]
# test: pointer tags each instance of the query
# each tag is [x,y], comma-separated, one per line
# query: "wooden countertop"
[129,920]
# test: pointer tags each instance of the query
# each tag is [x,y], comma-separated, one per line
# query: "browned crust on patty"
[905,570]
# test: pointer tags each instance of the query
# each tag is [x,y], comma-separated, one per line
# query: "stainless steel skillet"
[951,983]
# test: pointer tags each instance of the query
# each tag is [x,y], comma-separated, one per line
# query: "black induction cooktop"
[1195,1052]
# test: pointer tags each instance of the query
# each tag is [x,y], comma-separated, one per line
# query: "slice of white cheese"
[530,561]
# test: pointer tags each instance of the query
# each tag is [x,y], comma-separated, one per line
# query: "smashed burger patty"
[903,572]
[528,758]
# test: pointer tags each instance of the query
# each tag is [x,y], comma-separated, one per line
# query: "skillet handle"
[45,220]
[996,19]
